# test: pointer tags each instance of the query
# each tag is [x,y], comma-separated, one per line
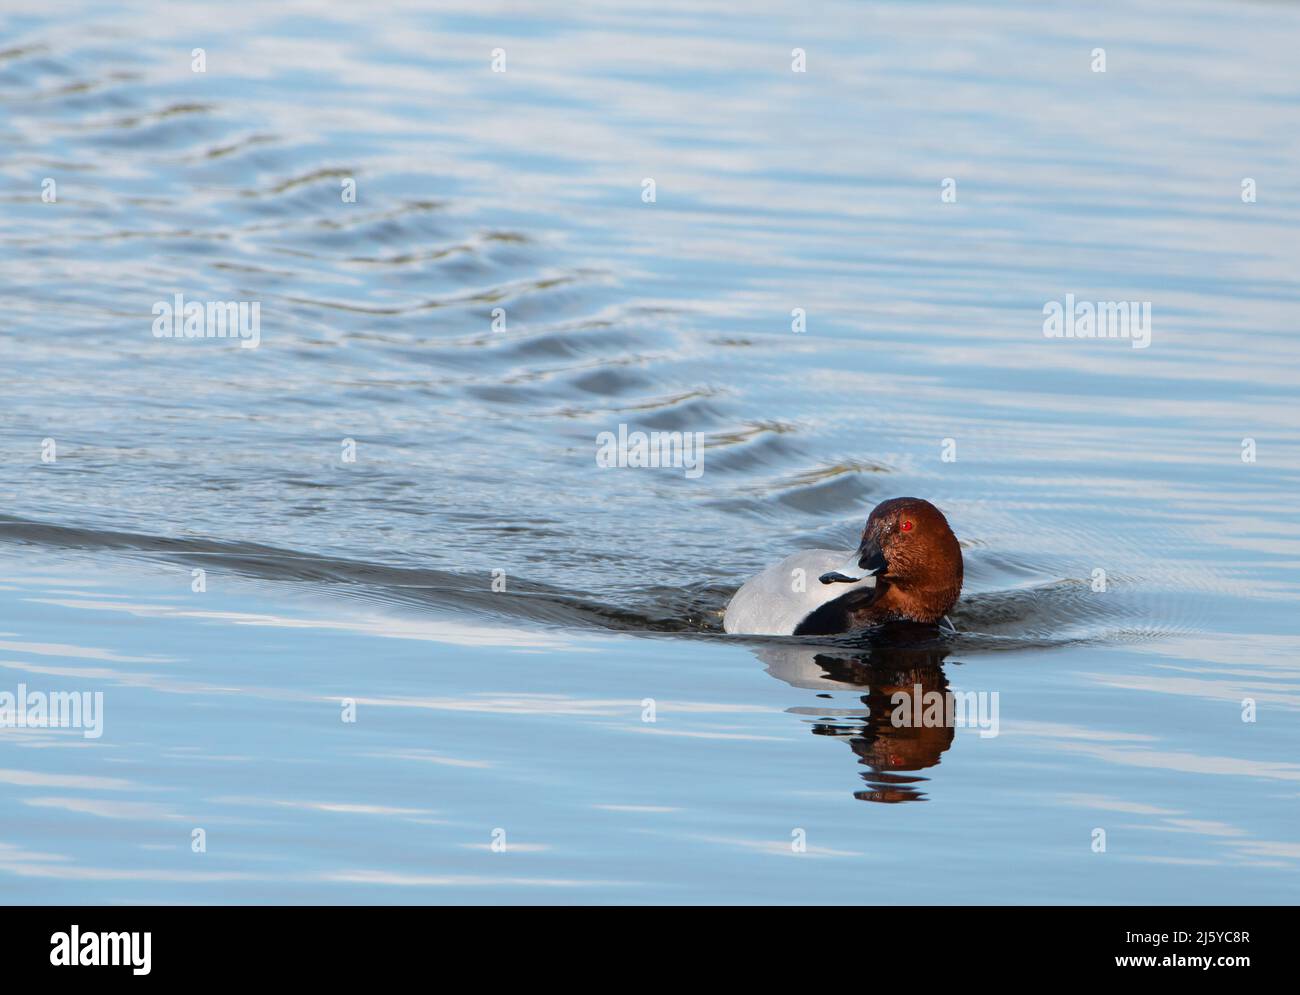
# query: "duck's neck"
[928,603]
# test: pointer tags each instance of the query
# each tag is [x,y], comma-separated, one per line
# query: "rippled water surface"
[771,770]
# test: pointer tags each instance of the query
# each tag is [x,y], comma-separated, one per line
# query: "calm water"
[770,771]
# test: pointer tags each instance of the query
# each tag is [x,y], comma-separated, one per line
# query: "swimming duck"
[907,567]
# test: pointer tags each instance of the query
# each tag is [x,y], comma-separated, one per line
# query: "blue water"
[347,711]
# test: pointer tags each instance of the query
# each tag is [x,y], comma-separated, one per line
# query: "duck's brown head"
[915,558]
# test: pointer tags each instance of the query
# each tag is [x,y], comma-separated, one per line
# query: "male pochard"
[907,567]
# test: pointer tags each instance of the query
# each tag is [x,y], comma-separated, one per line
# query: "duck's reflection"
[890,753]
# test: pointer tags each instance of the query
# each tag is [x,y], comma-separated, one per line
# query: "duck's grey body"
[776,601]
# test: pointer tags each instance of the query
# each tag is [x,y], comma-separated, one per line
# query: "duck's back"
[774,602]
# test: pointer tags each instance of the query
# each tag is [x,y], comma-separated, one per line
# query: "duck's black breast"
[840,615]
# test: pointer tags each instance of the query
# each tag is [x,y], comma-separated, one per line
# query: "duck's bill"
[866,562]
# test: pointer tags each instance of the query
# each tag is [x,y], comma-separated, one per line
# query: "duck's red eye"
[906,526]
